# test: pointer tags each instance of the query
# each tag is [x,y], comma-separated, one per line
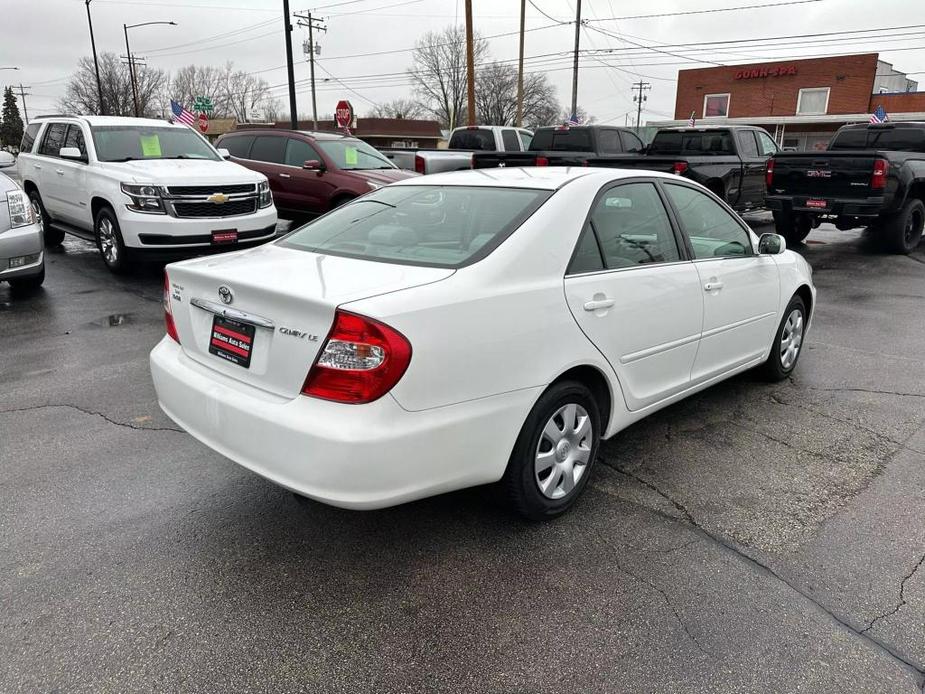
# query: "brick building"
[800,102]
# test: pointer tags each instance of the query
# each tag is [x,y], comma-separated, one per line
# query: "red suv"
[311,172]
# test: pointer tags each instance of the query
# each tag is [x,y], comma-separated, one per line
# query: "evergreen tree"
[11,128]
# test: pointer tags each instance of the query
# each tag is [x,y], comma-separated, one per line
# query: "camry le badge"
[224,293]
[217,198]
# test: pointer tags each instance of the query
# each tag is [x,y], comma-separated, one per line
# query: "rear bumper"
[352,456]
[162,232]
[847,207]
[16,243]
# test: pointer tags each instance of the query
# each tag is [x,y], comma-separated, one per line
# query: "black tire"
[794,229]
[522,480]
[901,233]
[109,241]
[776,368]
[28,284]
[52,235]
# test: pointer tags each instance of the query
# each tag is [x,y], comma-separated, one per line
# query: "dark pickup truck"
[729,160]
[565,145]
[871,175]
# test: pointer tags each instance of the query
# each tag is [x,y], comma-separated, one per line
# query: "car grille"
[232,208]
[209,190]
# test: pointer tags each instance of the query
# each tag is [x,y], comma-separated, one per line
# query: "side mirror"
[771,244]
[312,165]
[71,153]
[224,153]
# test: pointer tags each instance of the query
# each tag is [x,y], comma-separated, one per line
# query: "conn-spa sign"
[762,72]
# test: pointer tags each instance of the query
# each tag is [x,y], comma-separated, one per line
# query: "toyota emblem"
[224,293]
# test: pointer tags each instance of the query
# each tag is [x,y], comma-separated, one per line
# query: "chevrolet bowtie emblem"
[218,198]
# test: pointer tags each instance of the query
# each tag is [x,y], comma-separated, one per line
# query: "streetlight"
[131,61]
[96,62]
[9,68]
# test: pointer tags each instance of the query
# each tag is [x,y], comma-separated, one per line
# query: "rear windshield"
[435,226]
[131,142]
[562,140]
[479,140]
[895,139]
[706,143]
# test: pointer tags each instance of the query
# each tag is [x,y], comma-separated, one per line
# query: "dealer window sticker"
[150,146]
[350,155]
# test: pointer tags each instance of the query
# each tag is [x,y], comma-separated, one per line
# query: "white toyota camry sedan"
[470,328]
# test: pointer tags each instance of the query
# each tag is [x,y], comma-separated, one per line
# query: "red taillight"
[361,361]
[541,161]
[878,177]
[769,174]
[168,314]
[679,167]
[419,163]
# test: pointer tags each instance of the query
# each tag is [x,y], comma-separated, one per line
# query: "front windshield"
[436,226]
[354,155]
[131,142]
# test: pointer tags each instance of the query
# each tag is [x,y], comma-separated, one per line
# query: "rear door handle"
[598,304]
[282,175]
[713,286]
[38,167]
[60,172]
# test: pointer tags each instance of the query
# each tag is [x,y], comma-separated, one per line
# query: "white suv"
[140,188]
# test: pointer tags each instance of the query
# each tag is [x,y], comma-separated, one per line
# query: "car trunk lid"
[279,302]
[823,175]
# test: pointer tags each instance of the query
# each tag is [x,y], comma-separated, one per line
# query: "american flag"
[879,116]
[181,114]
[691,122]
[573,120]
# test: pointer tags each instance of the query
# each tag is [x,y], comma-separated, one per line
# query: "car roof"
[315,134]
[537,177]
[115,120]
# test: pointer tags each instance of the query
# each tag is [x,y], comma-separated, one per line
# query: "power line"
[708,11]
[206,39]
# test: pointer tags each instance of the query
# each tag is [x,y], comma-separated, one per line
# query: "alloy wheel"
[791,339]
[563,451]
[108,245]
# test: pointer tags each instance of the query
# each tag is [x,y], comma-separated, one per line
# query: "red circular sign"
[203,122]
[343,113]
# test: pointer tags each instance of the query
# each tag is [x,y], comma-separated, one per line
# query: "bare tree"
[247,96]
[81,94]
[438,72]
[398,108]
[496,97]
[205,81]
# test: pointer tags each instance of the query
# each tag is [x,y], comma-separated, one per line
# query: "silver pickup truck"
[463,142]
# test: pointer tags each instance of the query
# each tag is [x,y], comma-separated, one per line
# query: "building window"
[815,100]
[715,105]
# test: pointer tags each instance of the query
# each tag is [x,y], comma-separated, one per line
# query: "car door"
[753,169]
[635,294]
[740,290]
[509,140]
[70,181]
[267,154]
[308,190]
[48,181]
[767,148]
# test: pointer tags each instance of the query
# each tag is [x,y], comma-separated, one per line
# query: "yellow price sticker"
[150,146]
[350,155]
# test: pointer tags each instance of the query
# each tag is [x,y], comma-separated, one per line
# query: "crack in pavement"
[850,389]
[761,567]
[902,599]
[92,413]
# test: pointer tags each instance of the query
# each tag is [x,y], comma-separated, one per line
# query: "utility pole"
[470,65]
[293,114]
[640,88]
[96,62]
[131,71]
[575,60]
[313,25]
[520,68]
[23,94]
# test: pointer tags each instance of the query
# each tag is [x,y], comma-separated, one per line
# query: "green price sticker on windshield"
[350,155]
[150,146]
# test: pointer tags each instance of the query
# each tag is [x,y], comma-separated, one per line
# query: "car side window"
[510,141]
[766,145]
[269,148]
[525,139]
[713,232]
[28,137]
[633,228]
[747,145]
[298,152]
[53,140]
[587,256]
[75,138]
[609,142]
[631,143]
[238,146]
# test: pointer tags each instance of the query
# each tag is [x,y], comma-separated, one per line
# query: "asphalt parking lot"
[753,538]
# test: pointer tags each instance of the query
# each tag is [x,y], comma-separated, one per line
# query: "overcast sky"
[45,38]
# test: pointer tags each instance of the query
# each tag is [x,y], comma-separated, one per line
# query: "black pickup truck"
[870,175]
[565,145]
[729,160]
